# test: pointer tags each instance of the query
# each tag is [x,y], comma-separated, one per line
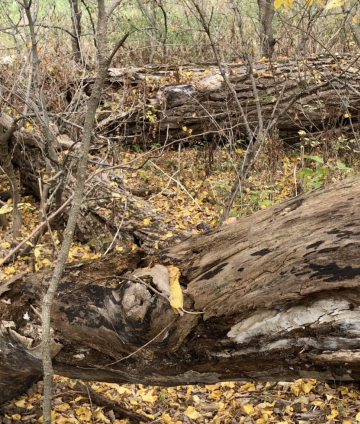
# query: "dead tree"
[274,296]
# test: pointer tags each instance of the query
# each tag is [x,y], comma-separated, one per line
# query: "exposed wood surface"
[278,293]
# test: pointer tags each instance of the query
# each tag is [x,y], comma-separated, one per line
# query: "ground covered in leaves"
[302,401]
[189,186]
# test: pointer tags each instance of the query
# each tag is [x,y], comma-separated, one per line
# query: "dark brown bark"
[278,292]
[316,95]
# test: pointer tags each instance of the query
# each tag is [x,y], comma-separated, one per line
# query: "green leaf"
[305,172]
[322,172]
[266,202]
[317,159]
[342,166]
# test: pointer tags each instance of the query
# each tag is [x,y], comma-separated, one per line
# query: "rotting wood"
[278,292]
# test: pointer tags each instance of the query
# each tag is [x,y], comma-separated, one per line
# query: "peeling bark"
[278,293]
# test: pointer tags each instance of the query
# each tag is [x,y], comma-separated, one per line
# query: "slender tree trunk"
[354,26]
[76,25]
[266,16]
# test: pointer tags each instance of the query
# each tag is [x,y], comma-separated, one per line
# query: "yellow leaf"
[346,115]
[147,220]
[166,418]
[317,402]
[278,3]
[357,418]
[37,252]
[247,386]
[288,409]
[119,248]
[334,3]
[355,19]
[329,397]
[320,2]
[147,396]
[184,128]
[307,387]
[134,247]
[192,413]
[5,244]
[100,416]
[53,416]
[156,245]
[16,416]
[6,209]
[63,407]
[334,413]
[248,408]
[295,388]
[83,413]
[20,403]
[176,296]
[216,394]
[115,195]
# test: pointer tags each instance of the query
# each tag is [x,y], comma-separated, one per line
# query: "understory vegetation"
[49,60]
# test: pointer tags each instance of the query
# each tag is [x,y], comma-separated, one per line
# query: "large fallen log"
[147,106]
[274,296]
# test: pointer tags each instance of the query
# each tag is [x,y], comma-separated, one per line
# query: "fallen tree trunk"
[274,296]
[146,106]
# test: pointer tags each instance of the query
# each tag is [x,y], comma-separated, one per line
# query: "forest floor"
[189,186]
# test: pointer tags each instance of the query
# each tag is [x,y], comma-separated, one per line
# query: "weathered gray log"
[145,107]
[278,293]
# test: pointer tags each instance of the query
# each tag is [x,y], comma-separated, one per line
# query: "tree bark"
[76,26]
[314,95]
[277,294]
[266,16]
